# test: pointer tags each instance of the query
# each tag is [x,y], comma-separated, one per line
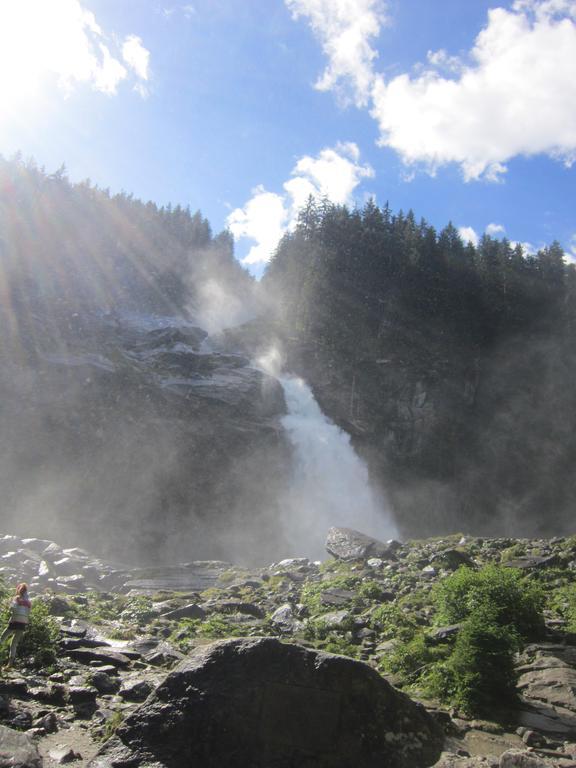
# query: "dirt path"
[76,738]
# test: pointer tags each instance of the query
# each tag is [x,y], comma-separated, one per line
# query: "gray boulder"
[516,758]
[17,750]
[348,544]
[265,704]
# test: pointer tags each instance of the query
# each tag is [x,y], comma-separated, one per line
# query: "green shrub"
[393,622]
[139,610]
[312,591]
[341,646]
[512,599]
[320,629]
[570,544]
[481,668]
[563,603]
[517,550]
[370,590]
[413,658]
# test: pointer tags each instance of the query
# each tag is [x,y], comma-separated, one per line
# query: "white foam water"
[330,484]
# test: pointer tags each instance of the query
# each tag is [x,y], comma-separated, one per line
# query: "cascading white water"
[330,484]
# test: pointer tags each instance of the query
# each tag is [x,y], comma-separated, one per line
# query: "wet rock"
[348,544]
[515,758]
[235,606]
[533,739]
[549,679]
[532,562]
[285,619]
[291,563]
[14,687]
[103,655]
[187,577]
[21,720]
[452,559]
[48,723]
[138,690]
[334,619]
[163,655]
[63,755]
[49,694]
[337,596]
[191,611]
[58,606]
[260,703]
[78,694]
[71,643]
[105,683]
[17,750]
[451,760]
[444,634]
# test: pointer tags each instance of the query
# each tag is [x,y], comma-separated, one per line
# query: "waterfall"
[330,484]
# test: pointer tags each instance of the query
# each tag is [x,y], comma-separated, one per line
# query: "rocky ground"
[121,631]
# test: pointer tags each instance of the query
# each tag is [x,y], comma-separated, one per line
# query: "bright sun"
[56,42]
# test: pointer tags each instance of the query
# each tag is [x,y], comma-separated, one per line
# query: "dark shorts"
[17,626]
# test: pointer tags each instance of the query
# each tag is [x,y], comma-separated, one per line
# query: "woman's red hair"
[21,588]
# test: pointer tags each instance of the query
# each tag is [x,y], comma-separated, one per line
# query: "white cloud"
[571,253]
[334,173]
[345,29]
[494,110]
[513,94]
[61,42]
[136,56]
[468,235]
[442,60]
[528,248]
[263,219]
[495,229]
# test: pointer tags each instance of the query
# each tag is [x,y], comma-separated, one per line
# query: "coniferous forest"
[452,365]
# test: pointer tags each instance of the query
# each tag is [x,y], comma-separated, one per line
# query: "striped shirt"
[21,609]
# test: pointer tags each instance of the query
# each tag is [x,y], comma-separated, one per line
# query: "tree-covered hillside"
[67,250]
[452,365]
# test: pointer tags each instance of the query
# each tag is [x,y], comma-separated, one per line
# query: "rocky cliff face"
[138,438]
[458,442]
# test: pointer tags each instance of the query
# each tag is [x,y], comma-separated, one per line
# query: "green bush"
[319,629]
[413,658]
[563,603]
[392,622]
[40,641]
[481,667]
[512,599]
[517,550]
[312,591]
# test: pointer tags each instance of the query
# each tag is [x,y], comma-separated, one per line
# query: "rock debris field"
[292,665]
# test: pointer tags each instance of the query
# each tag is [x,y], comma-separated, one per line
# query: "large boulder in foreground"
[348,544]
[17,750]
[261,703]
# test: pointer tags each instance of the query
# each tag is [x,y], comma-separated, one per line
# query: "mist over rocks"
[154,449]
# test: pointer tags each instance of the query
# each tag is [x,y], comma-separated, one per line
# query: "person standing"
[19,618]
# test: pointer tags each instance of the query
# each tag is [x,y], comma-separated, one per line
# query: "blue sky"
[463,111]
